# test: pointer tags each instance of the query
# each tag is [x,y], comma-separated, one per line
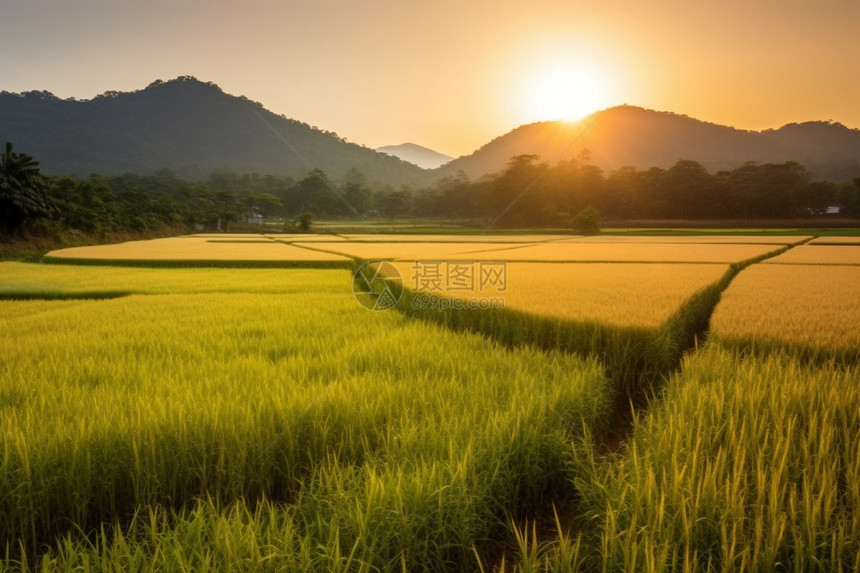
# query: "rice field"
[401,238]
[694,239]
[835,241]
[820,255]
[25,281]
[642,295]
[552,252]
[266,237]
[747,464]
[199,249]
[151,402]
[613,416]
[810,306]
[412,250]
[632,252]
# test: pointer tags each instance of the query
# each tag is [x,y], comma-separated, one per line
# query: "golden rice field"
[820,255]
[616,293]
[816,306]
[241,249]
[260,419]
[394,251]
[835,241]
[285,237]
[553,252]
[304,238]
[693,239]
[395,238]
[631,252]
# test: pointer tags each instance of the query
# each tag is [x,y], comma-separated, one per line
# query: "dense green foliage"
[22,190]
[527,193]
[533,193]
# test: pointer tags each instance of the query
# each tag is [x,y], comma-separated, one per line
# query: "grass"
[813,309]
[390,440]
[820,255]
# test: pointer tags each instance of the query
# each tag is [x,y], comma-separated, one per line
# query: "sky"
[452,75]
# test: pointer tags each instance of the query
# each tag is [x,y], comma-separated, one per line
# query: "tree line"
[534,193]
[528,192]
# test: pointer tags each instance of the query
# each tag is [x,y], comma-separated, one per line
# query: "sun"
[566,92]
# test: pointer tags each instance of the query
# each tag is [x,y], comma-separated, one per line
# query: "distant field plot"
[289,237]
[226,236]
[633,294]
[630,252]
[692,239]
[847,254]
[835,241]
[812,306]
[391,251]
[403,238]
[28,280]
[196,249]
[304,238]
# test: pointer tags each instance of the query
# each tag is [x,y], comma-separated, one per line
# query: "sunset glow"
[453,75]
[567,93]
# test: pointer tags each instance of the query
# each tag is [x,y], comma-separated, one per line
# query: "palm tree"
[22,190]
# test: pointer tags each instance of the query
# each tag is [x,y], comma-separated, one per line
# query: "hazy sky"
[451,75]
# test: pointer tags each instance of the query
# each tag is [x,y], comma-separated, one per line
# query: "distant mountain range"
[194,128]
[643,138]
[186,125]
[420,156]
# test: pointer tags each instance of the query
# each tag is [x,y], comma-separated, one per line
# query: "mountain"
[628,135]
[186,125]
[420,156]
[194,128]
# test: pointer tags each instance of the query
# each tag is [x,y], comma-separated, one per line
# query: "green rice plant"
[747,463]
[148,403]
